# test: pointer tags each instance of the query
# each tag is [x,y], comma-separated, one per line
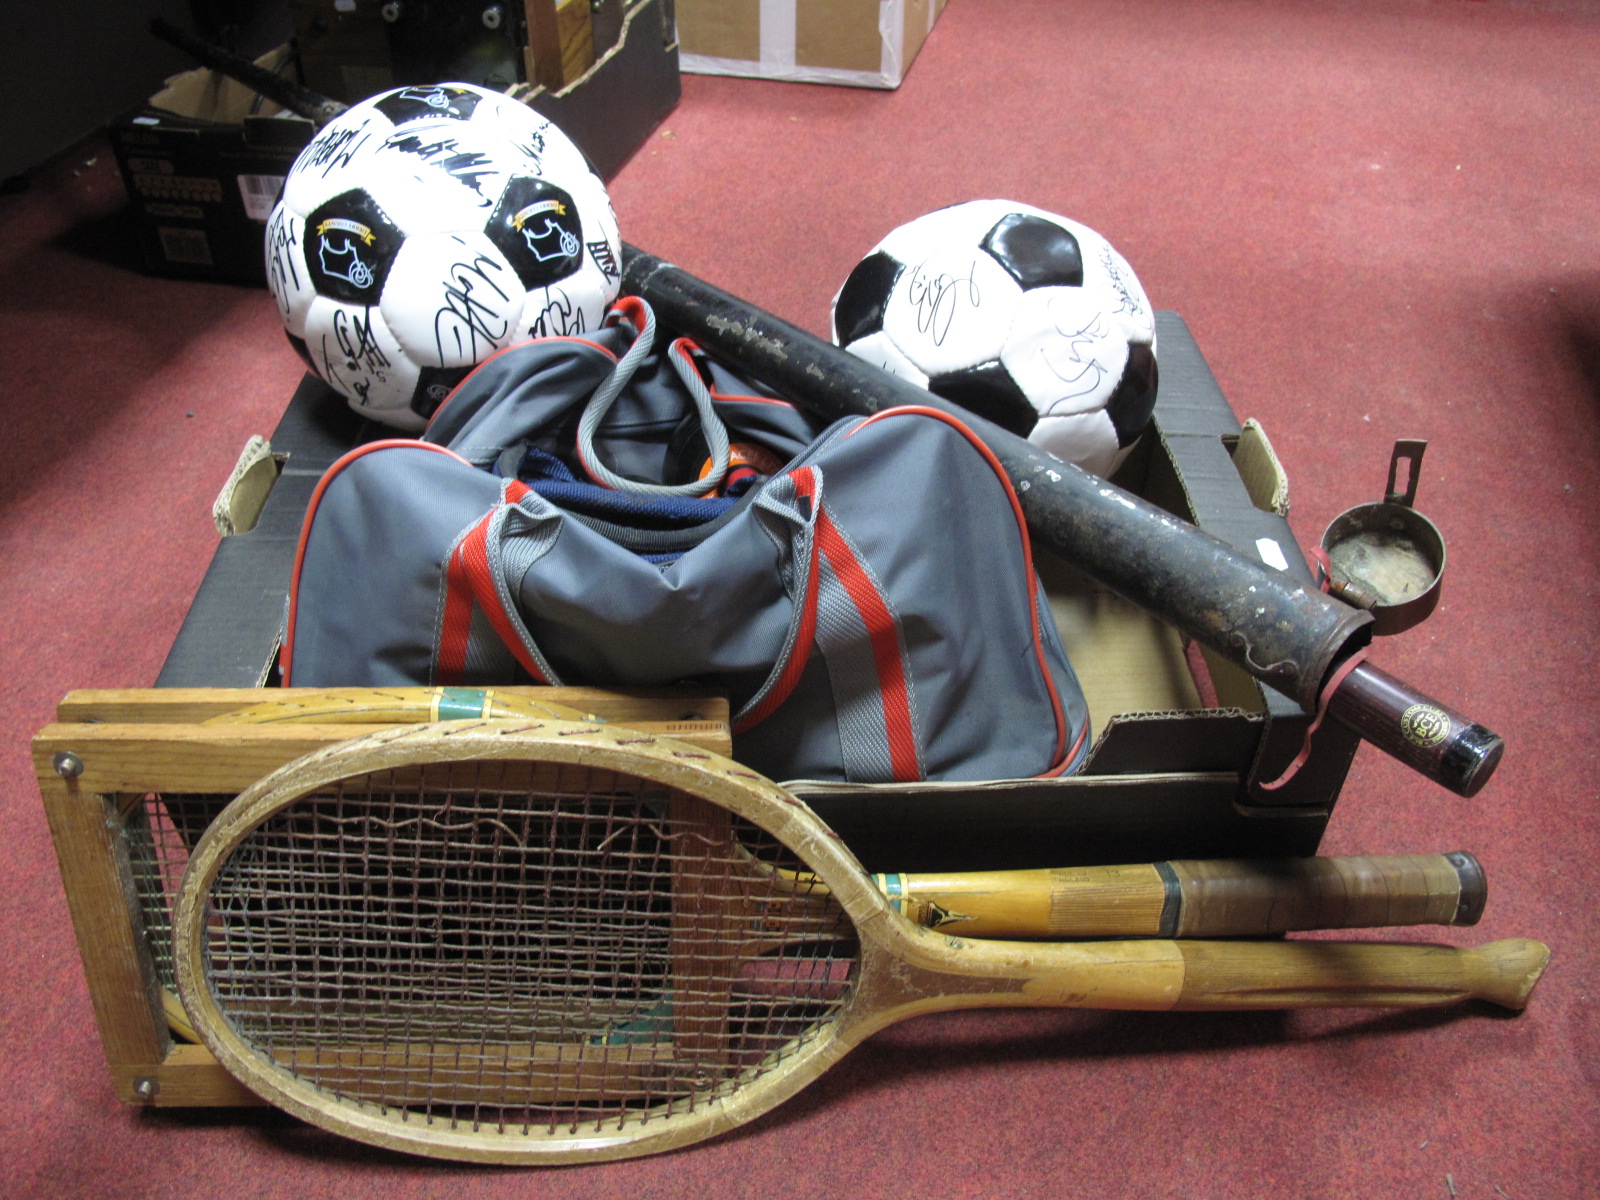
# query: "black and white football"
[426,228]
[1024,317]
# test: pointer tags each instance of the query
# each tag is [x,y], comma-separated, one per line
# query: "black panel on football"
[1134,402]
[1035,252]
[989,391]
[430,101]
[349,246]
[299,346]
[433,385]
[536,226]
[859,309]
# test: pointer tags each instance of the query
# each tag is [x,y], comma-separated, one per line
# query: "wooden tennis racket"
[543,942]
[376,706]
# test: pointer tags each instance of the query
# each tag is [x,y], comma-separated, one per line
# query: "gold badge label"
[1424,725]
[533,210]
[346,225]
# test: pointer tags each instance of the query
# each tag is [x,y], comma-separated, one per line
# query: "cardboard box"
[608,76]
[352,49]
[343,47]
[611,109]
[1183,741]
[862,43]
[203,162]
[205,158]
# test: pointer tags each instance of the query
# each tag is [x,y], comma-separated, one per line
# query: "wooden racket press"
[131,778]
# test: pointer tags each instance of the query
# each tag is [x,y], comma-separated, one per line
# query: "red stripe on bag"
[633,309]
[805,483]
[693,350]
[470,581]
[1062,755]
[884,638]
[455,629]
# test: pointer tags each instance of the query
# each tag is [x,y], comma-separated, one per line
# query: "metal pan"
[1387,557]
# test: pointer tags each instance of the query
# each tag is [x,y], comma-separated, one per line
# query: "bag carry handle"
[638,314]
[475,580]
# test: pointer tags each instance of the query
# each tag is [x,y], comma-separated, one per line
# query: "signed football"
[426,228]
[1029,319]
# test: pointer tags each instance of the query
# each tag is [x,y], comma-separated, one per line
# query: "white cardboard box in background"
[860,43]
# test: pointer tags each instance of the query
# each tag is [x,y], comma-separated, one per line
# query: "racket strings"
[159,830]
[469,945]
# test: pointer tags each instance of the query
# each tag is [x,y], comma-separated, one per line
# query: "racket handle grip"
[1197,898]
[1244,898]
[1316,974]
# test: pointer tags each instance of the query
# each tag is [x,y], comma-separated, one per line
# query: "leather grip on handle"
[1196,898]
[1426,735]
[1265,896]
[1313,974]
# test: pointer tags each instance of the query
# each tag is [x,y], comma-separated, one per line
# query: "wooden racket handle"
[1312,974]
[1163,976]
[1196,898]
[1159,975]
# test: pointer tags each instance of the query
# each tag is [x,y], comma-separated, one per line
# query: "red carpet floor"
[1379,218]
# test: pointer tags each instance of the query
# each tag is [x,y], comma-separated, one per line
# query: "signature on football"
[1075,355]
[333,148]
[561,317]
[939,298]
[471,320]
[352,359]
[352,333]
[284,279]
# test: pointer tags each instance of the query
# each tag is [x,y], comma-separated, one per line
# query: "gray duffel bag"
[600,511]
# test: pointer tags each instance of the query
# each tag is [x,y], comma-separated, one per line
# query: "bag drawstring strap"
[637,313]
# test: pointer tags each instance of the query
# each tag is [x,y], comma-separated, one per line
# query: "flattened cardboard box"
[1183,741]
[861,43]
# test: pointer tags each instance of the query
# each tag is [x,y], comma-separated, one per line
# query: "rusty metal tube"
[1285,633]
[1289,635]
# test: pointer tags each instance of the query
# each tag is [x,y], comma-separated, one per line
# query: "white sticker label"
[260,193]
[1271,553]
